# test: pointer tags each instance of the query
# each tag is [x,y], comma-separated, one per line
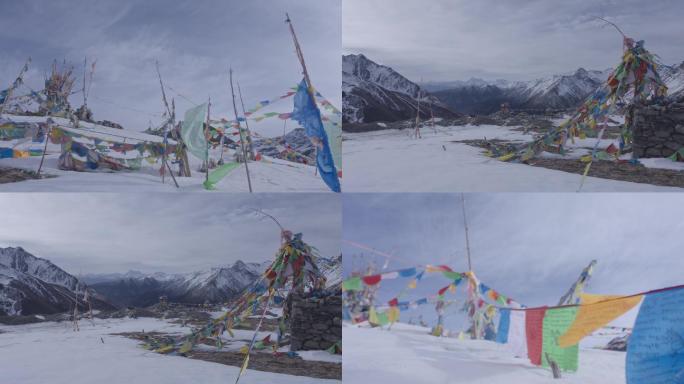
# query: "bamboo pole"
[249,133]
[242,138]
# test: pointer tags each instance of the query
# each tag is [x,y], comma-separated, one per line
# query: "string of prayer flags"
[534,321]
[655,354]
[556,322]
[591,317]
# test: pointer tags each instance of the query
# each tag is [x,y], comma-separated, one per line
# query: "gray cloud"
[194,41]
[518,40]
[93,233]
[529,246]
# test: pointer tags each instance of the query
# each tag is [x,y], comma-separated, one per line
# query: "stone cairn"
[316,322]
[658,129]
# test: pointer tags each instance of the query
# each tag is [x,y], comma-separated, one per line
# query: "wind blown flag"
[307,114]
[192,131]
[655,354]
[517,340]
[591,317]
[534,322]
[504,324]
[218,174]
[556,323]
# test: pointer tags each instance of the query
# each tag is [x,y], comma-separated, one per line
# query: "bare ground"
[260,361]
[13,175]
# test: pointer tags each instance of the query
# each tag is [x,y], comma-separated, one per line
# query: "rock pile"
[316,322]
[658,129]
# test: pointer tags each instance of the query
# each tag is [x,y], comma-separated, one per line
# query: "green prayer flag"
[352,284]
[452,275]
[192,131]
[218,174]
[556,323]
[382,318]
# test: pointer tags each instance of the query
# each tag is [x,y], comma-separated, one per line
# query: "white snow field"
[53,353]
[408,354]
[391,161]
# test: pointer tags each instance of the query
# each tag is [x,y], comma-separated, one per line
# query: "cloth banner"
[589,298]
[655,354]
[591,317]
[352,284]
[517,341]
[192,131]
[218,174]
[306,113]
[556,323]
[534,322]
[504,324]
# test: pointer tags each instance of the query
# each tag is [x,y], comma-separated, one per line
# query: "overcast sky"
[101,233]
[531,247]
[194,41]
[442,40]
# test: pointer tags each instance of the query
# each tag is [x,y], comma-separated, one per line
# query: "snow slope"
[407,354]
[391,161]
[53,353]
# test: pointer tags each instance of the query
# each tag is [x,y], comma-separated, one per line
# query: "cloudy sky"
[442,40]
[194,41]
[101,233]
[531,247]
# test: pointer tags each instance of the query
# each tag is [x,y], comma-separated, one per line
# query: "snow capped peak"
[20,260]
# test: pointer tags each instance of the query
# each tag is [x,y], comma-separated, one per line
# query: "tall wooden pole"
[300,56]
[250,148]
[242,137]
[465,225]
[206,136]
[171,120]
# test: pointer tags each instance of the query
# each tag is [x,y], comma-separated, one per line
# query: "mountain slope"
[31,285]
[373,92]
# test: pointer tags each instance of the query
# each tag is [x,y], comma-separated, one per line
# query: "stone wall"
[658,129]
[316,323]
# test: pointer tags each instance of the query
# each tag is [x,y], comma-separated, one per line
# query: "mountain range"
[374,93]
[370,89]
[32,285]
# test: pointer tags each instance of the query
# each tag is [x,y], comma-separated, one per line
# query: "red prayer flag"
[534,324]
[394,302]
[372,279]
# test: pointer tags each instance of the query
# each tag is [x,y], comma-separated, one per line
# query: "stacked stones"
[316,323]
[658,129]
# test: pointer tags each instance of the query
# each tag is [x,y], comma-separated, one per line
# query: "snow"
[53,353]
[390,160]
[408,354]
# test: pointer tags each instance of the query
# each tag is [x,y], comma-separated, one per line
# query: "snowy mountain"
[674,79]
[477,96]
[215,285]
[31,285]
[373,92]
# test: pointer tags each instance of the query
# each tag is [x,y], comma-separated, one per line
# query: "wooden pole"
[300,56]
[242,138]
[465,225]
[250,147]
[47,138]
[166,124]
[206,136]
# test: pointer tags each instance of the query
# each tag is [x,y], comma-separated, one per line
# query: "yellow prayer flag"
[452,288]
[372,316]
[393,314]
[590,298]
[244,366]
[591,317]
[412,284]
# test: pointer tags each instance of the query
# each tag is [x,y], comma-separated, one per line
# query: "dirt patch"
[616,171]
[13,175]
[268,362]
[259,361]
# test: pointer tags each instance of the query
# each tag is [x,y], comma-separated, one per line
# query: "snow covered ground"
[270,175]
[407,354]
[391,161]
[53,353]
